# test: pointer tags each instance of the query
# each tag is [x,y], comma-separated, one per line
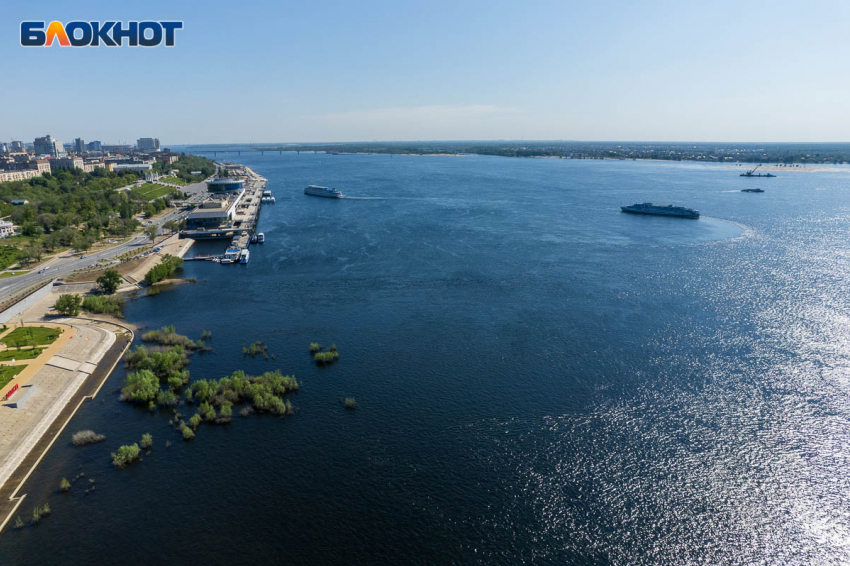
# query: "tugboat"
[752,173]
[752,190]
[661,210]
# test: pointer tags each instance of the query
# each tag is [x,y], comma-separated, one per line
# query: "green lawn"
[21,336]
[28,354]
[151,191]
[173,180]
[6,274]
[9,372]
[8,256]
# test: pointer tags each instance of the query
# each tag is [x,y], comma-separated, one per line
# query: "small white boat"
[244,255]
[261,238]
[226,260]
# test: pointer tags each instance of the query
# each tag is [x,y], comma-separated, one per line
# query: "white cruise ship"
[318,191]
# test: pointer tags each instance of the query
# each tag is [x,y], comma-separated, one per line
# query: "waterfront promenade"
[71,370]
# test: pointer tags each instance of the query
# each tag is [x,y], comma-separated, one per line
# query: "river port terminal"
[230,212]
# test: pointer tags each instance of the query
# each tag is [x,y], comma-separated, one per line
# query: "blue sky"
[279,71]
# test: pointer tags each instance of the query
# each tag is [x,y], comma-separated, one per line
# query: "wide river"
[540,378]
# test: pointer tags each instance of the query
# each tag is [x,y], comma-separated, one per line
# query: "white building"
[66,163]
[6,229]
[137,167]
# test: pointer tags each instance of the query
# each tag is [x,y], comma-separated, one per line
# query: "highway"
[65,263]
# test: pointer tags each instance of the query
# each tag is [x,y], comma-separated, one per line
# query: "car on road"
[83,256]
[43,269]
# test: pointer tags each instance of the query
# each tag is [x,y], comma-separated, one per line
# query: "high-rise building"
[48,146]
[79,145]
[148,144]
[17,147]
[93,146]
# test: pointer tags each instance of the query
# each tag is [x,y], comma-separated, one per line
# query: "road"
[65,263]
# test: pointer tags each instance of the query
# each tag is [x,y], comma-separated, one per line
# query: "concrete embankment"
[73,373]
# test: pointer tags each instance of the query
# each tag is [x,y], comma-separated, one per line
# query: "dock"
[238,210]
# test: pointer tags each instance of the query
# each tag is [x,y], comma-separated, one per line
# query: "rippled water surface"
[541,379]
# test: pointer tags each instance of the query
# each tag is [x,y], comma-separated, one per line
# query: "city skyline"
[383,72]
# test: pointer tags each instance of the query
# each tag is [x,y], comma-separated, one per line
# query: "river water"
[540,378]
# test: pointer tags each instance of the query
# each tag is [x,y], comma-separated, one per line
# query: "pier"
[239,212]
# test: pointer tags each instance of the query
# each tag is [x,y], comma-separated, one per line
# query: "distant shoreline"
[792,167]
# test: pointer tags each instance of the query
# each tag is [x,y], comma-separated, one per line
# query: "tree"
[109,281]
[150,210]
[147,441]
[82,243]
[151,232]
[171,226]
[65,485]
[68,304]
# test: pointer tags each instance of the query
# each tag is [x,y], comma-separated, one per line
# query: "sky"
[279,71]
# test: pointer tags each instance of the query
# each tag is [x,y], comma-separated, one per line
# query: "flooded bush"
[147,441]
[323,358]
[125,456]
[350,403]
[188,433]
[65,485]
[256,349]
[84,437]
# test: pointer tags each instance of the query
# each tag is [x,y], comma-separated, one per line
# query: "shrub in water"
[125,456]
[86,437]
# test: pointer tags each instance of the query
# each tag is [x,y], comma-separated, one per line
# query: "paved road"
[65,263]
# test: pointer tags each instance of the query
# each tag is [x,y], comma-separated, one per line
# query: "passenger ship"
[661,210]
[317,191]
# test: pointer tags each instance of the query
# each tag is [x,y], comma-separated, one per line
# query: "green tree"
[147,441]
[151,232]
[68,304]
[109,281]
[171,226]
[82,243]
[150,210]
[65,485]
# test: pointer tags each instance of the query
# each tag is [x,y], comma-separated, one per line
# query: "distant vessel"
[261,238]
[318,191]
[661,210]
[752,173]
[244,255]
[254,239]
[752,190]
